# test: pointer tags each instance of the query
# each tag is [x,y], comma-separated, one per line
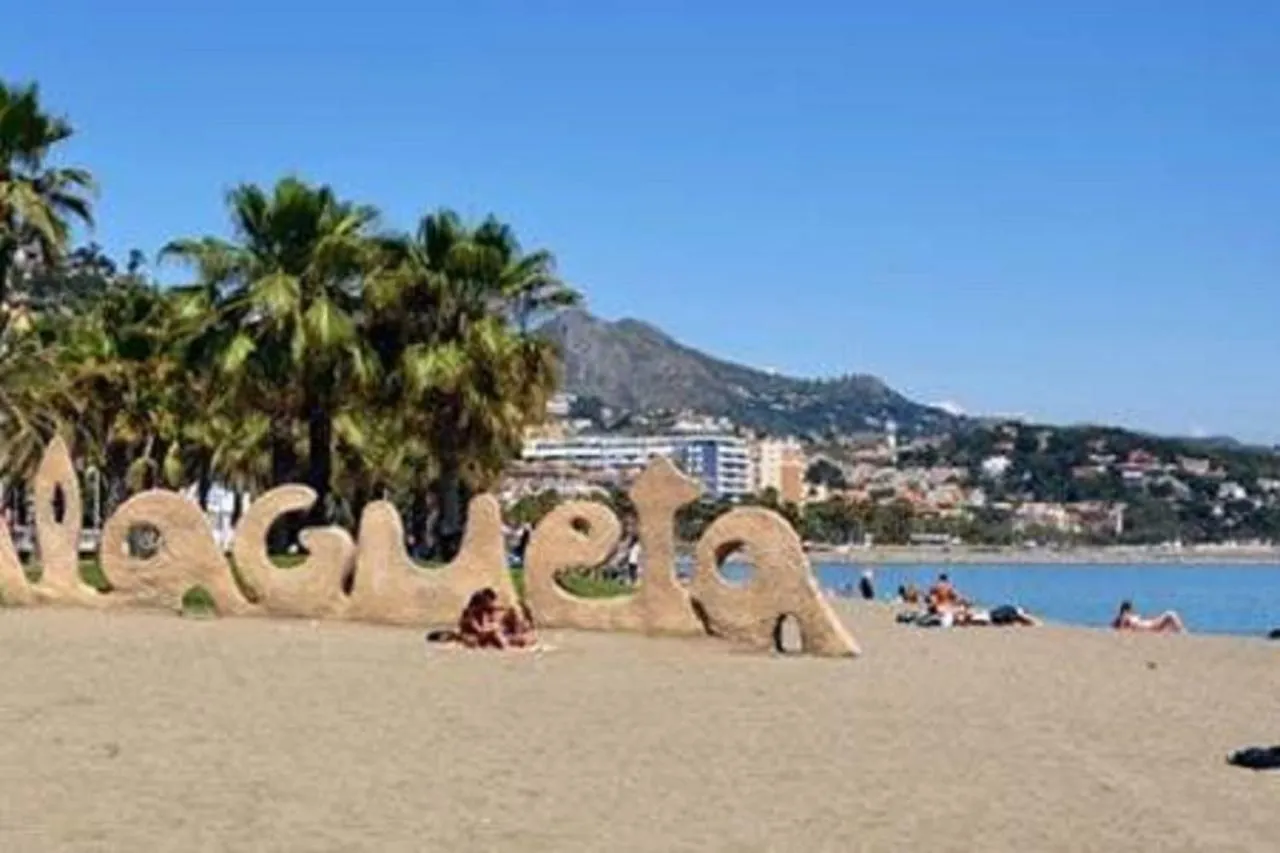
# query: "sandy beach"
[152,732]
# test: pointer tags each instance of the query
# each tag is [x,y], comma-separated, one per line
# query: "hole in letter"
[143,541]
[284,544]
[787,638]
[59,503]
[733,562]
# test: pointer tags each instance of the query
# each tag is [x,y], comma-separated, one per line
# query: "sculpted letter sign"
[385,585]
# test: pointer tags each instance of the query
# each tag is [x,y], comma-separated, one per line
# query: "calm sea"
[1213,599]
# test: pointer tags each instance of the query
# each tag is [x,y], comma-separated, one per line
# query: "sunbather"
[517,627]
[479,626]
[944,596]
[485,625]
[1129,620]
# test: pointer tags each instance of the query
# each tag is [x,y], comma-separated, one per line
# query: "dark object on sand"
[1005,614]
[1256,758]
[1274,635]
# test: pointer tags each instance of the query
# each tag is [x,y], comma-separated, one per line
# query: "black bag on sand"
[1256,758]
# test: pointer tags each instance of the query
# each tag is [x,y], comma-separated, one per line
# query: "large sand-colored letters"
[781,584]
[583,534]
[58,511]
[187,555]
[313,589]
[14,588]
[660,604]
[388,587]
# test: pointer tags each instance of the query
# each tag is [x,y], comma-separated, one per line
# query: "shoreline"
[1102,557]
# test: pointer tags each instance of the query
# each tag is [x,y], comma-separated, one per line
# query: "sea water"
[1212,599]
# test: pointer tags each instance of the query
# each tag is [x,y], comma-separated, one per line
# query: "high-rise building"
[779,464]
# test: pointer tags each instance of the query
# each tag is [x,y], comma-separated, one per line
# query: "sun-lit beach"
[605,427]
[149,732]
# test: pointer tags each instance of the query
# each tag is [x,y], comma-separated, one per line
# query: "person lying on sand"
[1129,620]
[967,616]
[1005,614]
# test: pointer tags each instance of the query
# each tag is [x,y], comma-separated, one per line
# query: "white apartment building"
[720,462]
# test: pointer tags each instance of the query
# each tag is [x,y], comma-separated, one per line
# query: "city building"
[720,462]
[560,405]
[779,464]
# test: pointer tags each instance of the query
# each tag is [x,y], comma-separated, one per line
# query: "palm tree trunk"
[449,523]
[284,461]
[284,465]
[117,493]
[204,484]
[359,499]
[320,456]
[115,471]
[419,515]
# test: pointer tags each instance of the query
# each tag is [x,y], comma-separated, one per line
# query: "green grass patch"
[197,601]
[91,573]
[587,584]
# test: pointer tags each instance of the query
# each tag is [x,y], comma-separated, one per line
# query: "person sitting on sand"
[943,595]
[478,626]
[909,594]
[1129,620]
[517,627]
[485,625]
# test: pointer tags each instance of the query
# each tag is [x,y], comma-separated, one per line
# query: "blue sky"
[1069,211]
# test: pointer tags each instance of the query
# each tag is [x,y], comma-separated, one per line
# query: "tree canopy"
[310,341]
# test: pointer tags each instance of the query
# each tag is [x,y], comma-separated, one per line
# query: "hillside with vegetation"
[630,366]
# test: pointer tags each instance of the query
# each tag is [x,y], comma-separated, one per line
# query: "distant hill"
[632,366]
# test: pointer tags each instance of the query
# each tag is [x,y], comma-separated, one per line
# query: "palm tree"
[38,203]
[285,295]
[125,389]
[451,320]
[527,284]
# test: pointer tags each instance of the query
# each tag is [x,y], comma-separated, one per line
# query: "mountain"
[632,366]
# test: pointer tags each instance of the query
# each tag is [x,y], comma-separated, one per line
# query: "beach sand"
[151,732]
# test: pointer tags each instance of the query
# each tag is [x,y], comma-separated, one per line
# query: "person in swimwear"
[943,595]
[479,626]
[517,627]
[1127,619]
